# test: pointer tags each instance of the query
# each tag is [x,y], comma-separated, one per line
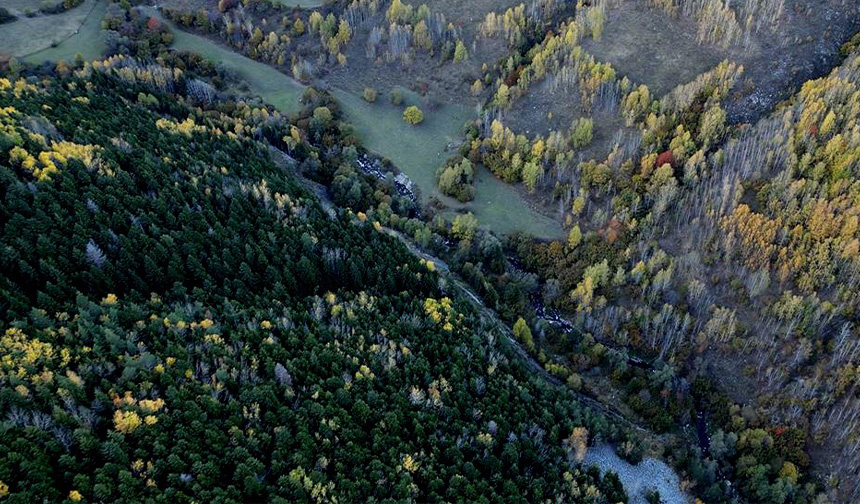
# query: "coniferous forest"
[185,321]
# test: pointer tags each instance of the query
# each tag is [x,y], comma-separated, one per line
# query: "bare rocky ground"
[544,108]
[661,51]
[805,46]
[652,48]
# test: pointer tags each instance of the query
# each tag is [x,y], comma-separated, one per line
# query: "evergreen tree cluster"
[181,320]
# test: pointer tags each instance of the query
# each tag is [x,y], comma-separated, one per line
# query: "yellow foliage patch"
[126,421]
[19,354]
[186,127]
[441,312]
[46,162]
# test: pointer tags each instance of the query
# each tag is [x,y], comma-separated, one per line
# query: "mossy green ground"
[75,31]
[419,150]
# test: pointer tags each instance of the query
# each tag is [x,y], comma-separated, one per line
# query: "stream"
[650,474]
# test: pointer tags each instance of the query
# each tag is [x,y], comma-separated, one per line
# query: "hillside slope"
[182,321]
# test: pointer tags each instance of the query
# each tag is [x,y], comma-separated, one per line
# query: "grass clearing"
[502,208]
[419,150]
[76,31]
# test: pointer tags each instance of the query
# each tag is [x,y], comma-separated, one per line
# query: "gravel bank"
[650,474]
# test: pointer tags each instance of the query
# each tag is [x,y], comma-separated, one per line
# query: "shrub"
[322,114]
[666,157]
[582,132]
[396,97]
[49,7]
[413,115]
[523,334]
[460,52]
[369,95]
[464,226]
[456,179]
[850,46]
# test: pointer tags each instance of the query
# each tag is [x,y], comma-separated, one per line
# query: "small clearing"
[652,48]
[418,151]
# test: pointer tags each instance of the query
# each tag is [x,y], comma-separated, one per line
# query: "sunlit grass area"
[419,150]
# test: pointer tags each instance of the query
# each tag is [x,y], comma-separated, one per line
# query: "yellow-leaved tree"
[413,115]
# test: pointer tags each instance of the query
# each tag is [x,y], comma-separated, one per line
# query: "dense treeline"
[306,42]
[181,319]
[128,31]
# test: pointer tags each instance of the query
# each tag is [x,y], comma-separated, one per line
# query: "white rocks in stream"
[638,480]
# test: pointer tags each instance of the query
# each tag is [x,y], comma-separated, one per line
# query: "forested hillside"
[728,251]
[375,250]
[182,321]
